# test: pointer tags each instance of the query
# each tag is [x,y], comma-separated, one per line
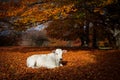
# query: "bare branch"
[116,32]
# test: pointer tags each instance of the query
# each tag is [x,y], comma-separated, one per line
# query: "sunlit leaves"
[80,64]
[38,12]
[46,12]
[32,11]
[13,63]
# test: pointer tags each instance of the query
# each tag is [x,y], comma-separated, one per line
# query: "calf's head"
[58,54]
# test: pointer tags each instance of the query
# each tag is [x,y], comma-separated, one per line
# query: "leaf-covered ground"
[80,65]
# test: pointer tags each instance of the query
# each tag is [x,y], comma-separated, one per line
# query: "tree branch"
[34,3]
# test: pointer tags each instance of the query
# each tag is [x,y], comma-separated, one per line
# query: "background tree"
[72,15]
[24,13]
[90,11]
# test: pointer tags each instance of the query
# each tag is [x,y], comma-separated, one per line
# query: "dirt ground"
[79,65]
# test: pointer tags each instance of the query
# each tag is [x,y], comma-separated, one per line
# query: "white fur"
[50,60]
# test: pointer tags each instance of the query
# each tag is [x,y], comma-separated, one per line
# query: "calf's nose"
[61,59]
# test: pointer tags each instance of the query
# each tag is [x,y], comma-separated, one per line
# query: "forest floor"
[80,65]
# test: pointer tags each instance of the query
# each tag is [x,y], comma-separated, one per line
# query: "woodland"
[88,29]
[90,21]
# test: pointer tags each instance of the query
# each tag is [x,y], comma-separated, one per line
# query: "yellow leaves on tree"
[46,12]
[25,14]
[11,8]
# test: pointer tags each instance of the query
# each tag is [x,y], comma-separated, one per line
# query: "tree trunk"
[94,40]
[118,42]
[87,35]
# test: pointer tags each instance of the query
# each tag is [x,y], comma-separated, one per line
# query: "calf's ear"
[64,51]
[53,51]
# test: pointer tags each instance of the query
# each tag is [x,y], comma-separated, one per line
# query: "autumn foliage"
[80,65]
[31,11]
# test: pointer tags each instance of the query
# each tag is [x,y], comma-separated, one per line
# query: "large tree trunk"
[85,35]
[94,40]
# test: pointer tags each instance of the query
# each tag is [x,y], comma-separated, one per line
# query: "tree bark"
[94,40]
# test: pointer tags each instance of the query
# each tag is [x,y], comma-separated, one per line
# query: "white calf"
[51,60]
